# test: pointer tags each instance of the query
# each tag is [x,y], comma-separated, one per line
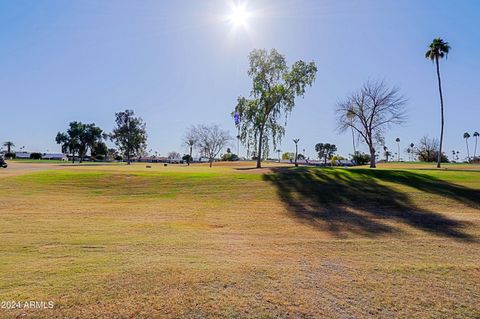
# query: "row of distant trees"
[466,136]
[129,135]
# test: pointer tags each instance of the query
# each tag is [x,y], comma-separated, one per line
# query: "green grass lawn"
[131,242]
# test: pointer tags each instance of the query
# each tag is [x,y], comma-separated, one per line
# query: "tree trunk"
[128,158]
[468,151]
[372,158]
[259,153]
[211,162]
[190,156]
[398,147]
[296,154]
[353,140]
[439,156]
[475,150]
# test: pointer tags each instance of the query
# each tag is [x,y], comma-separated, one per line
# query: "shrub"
[336,158]
[360,158]
[229,157]
[288,156]
[10,155]
[36,156]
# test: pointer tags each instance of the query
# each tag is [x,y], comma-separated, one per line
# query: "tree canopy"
[325,151]
[275,86]
[130,134]
[79,138]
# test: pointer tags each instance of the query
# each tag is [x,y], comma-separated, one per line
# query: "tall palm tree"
[296,140]
[398,147]
[9,146]
[412,147]
[466,136]
[476,135]
[190,143]
[437,50]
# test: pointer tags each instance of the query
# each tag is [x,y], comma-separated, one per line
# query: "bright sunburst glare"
[239,15]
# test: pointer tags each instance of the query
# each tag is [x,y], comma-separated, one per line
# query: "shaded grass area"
[359,200]
[131,242]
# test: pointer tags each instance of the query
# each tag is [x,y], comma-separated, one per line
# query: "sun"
[239,16]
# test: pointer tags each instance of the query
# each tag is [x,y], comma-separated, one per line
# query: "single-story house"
[22,155]
[54,156]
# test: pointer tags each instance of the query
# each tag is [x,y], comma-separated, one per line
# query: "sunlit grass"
[225,242]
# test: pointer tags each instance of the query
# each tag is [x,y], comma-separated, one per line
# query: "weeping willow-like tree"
[263,116]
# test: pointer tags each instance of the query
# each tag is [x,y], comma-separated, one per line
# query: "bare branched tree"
[210,140]
[370,112]
[428,149]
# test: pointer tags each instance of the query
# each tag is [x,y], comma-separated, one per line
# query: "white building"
[54,156]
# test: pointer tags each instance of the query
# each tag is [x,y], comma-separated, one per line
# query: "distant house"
[160,159]
[22,155]
[345,162]
[86,158]
[54,156]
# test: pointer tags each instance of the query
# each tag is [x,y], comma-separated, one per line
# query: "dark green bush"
[36,156]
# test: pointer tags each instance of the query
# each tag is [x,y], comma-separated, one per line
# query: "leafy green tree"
[466,136]
[129,134]
[187,158]
[99,151]
[288,156]
[475,134]
[437,50]
[80,138]
[272,98]
[9,145]
[370,112]
[90,137]
[112,154]
[70,140]
[325,151]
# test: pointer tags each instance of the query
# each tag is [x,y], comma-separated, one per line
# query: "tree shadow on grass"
[354,201]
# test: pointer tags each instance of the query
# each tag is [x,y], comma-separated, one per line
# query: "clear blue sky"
[178,63]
